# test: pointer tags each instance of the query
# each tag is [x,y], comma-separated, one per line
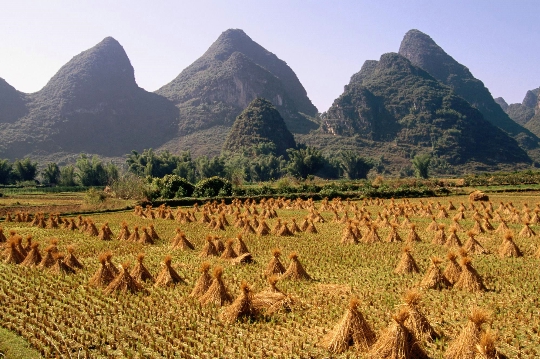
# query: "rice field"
[62,315]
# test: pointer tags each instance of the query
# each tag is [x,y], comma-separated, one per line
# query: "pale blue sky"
[324,42]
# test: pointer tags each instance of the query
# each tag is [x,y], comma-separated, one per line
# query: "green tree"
[25,169]
[354,166]
[51,174]
[304,161]
[209,167]
[421,165]
[92,172]
[6,169]
[67,176]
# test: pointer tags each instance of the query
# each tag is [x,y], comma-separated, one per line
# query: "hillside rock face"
[94,105]
[393,100]
[12,103]
[231,73]
[259,123]
[423,52]
[501,102]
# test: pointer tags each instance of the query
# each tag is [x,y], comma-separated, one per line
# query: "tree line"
[256,164]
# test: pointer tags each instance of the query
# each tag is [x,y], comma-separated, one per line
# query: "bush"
[95,196]
[171,186]
[213,187]
[130,186]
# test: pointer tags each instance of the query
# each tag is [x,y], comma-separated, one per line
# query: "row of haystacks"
[407,332]
[29,254]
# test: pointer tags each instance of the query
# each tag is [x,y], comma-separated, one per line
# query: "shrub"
[171,186]
[212,187]
[130,186]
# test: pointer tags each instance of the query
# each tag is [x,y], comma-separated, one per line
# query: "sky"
[324,42]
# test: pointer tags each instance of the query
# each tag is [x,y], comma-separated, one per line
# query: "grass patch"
[13,346]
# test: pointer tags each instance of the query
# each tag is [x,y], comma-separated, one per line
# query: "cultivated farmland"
[329,261]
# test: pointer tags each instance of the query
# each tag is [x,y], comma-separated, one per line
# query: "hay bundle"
[91,229]
[526,232]
[51,223]
[263,229]
[434,278]
[241,247]
[228,252]
[3,238]
[311,228]
[453,269]
[453,240]
[274,266]
[245,258]
[284,231]
[123,282]
[440,236]
[181,242]
[417,322]
[124,233]
[18,245]
[413,236]
[145,237]
[152,232]
[59,267]
[209,248]
[372,236]
[220,247]
[47,259]
[135,236]
[487,226]
[433,226]
[295,271]
[272,300]
[115,271]
[12,255]
[464,346]
[304,224]
[33,258]
[28,245]
[477,228]
[140,273]
[502,228]
[508,247]
[294,226]
[451,206]
[104,234]
[352,329]
[469,279]
[393,235]
[473,246]
[217,293]
[277,227]
[203,283]
[486,347]
[407,264]
[348,236]
[168,276]
[406,222]
[456,225]
[242,307]
[71,260]
[8,217]
[103,275]
[397,342]
[478,196]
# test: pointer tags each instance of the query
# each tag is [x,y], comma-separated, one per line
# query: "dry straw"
[168,276]
[71,260]
[217,293]
[228,252]
[59,267]
[465,345]
[33,257]
[508,247]
[272,299]
[274,266]
[241,247]
[295,271]
[209,248]
[352,329]
[103,275]
[140,273]
[181,242]
[469,279]
[417,322]
[434,278]
[203,283]
[397,342]
[472,245]
[241,308]
[407,264]
[123,282]
[453,269]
